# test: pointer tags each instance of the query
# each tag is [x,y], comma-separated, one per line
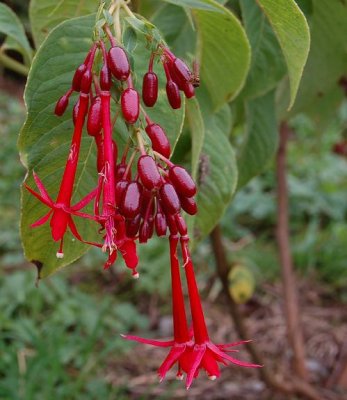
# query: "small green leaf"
[217,174]
[11,27]
[261,138]
[47,14]
[268,65]
[291,29]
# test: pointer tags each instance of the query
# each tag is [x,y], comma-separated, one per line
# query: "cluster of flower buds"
[139,194]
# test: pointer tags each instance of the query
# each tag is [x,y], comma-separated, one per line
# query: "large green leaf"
[12,28]
[268,65]
[327,61]
[291,29]
[46,14]
[217,173]
[223,49]
[261,138]
[45,139]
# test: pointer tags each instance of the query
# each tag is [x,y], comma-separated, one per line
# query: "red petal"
[174,354]
[128,250]
[220,353]
[209,363]
[197,355]
[42,188]
[86,200]
[42,220]
[39,197]
[152,342]
[59,223]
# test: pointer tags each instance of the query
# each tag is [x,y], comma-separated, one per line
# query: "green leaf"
[217,174]
[197,131]
[224,54]
[47,14]
[13,29]
[45,139]
[268,65]
[291,29]
[327,59]
[261,138]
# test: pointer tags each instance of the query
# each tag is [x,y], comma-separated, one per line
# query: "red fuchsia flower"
[192,350]
[61,209]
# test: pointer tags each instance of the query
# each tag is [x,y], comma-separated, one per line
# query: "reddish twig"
[292,313]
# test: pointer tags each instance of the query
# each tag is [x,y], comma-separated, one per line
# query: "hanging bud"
[118,63]
[105,78]
[130,102]
[188,204]
[160,224]
[148,172]
[150,89]
[182,181]
[133,226]
[62,104]
[130,203]
[182,71]
[94,122]
[146,230]
[173,94]
[86,81]
[160,142]
[120,190]
[169,199]
[76,80]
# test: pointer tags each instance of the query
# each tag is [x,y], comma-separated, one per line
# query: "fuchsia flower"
[130,208]
[191,350]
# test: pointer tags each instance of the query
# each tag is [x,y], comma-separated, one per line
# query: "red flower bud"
[130,101]
[182,181]
[148,172]
[130,203]
[120,190]
[118,63]
[105,78]
[94,122]
[173,94]
[76,80]
[133,226]
[169,199]
[188,204]
[160,142]
[150,89]
[181,224]
[62,104]
[86,81]
[146,230]
[189,90]
[120,171]
[182,71]
[160,224]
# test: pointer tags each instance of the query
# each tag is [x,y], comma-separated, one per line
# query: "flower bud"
[148,172]
[62,104]
[160,142]
[169,199]
[188,204]
[130,102]
[94,122]
[120,190]
[105,78]
[150,89]
[76,80]
[130,202]
[173,94]
[182,181]
[160,224]
[133,226]
[118,63]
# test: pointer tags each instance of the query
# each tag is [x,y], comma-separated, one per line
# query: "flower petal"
[42,220]
[157,343]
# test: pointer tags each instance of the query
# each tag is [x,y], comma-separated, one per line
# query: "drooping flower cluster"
[139,194]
